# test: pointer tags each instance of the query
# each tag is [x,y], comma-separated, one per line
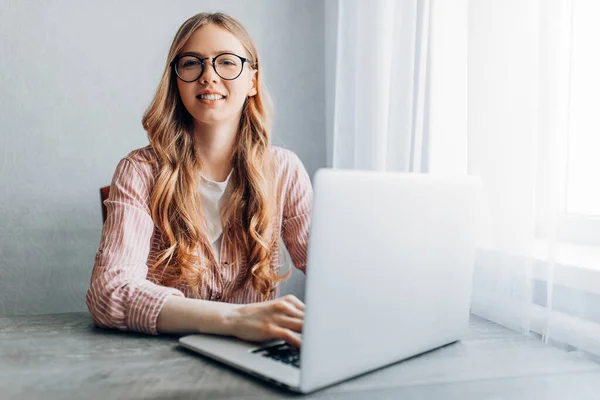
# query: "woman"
[191,240]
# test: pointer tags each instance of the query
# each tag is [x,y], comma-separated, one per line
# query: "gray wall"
[76,77]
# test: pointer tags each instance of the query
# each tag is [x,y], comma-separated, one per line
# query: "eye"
[228,62]
[190,63]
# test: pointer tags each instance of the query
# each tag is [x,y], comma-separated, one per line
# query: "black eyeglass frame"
[173,65]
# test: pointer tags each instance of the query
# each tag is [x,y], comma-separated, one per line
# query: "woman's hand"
[281,318]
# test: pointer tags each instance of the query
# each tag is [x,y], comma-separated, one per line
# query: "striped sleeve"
[120,296]
[296,212]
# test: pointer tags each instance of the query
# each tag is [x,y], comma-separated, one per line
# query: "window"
[583,158]
[580,222]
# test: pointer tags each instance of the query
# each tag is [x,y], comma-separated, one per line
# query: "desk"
[63,356]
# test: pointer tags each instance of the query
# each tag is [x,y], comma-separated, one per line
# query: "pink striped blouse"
[122,295]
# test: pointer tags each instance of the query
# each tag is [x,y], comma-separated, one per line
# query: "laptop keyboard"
[281,352]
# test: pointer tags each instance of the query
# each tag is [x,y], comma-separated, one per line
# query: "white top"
[212,198]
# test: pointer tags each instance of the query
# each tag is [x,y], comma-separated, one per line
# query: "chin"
[209,119]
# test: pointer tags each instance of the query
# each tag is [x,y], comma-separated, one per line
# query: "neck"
[214,146]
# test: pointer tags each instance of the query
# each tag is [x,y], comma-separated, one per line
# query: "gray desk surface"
[63,356]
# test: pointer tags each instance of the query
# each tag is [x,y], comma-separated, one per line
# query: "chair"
[103,196]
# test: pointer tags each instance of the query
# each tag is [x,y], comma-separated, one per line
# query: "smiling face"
[211,99]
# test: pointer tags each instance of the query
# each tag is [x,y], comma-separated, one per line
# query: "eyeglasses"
[227,65]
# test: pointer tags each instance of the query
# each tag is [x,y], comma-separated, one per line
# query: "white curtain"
[480,87]
[380,79]
[528,276]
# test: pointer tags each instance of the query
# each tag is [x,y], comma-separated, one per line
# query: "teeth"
[210,97]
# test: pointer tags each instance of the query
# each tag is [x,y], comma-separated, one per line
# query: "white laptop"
[389,272]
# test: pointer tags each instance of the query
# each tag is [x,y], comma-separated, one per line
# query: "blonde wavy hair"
[249,212]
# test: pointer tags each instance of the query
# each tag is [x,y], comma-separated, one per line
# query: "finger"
[290,337]
[293,324]
[296,302]
[293,312]
[281,306]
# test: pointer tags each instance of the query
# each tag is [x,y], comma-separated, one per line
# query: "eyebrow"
[194,53]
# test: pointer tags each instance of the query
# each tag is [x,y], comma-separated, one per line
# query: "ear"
[253,88]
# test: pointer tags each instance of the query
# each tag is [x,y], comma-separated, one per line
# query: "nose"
[208,72]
